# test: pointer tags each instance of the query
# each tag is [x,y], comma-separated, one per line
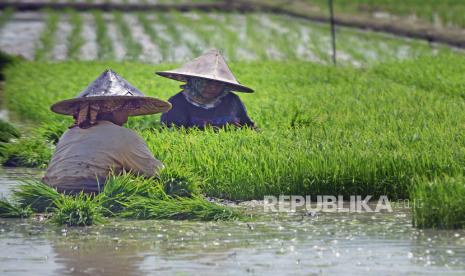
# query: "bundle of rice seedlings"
[28,152]
[179,183]
[8,210]
[39,196]
[7,132]
[79,210]
[52,131]
[119,190]
[195,208]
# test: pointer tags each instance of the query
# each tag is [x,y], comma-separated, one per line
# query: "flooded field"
[279,243]
[176,37]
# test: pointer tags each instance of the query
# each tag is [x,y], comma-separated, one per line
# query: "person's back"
[97,144]
[84,157]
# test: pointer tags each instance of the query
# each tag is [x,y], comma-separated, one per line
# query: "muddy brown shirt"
[84,157]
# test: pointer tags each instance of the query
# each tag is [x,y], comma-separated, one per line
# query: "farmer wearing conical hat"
[206,98]
[97,144]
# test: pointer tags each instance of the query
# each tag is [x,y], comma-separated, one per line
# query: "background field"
[177,37]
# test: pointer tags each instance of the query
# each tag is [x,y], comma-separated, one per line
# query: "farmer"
[206,98]
[97,144]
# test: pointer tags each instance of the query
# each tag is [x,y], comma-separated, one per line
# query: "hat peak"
[109,83]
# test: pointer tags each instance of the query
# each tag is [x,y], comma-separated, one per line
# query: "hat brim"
[143,105]
[183,77]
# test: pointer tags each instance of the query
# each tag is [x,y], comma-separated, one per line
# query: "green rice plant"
[6,15]
[75,39]
[438,203]
[436,74]
[176,18]
[324,130]
[105,48]
[36,195]
[280,28]
[27,152]
[254,37]
[154,36]
[448,11]
[195,208]
[78,210]
[5,60]
[119,190]
[8,132]
[43,51]
[9,210]
[177,182]
[52,131]
[134,49]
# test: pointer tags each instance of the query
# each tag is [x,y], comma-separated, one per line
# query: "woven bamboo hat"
[113,93]
[210,66]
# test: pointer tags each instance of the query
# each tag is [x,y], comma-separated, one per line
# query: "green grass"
[47,38]
[438,203]
[324,130]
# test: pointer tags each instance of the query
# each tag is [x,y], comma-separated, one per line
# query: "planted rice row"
[176,37]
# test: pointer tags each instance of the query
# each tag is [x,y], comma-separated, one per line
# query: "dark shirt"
[231,110]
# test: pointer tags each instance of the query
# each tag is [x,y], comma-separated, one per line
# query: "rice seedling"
[35,195]
[278,26]
[8,132]
[133,48]
[6,15]
[45,46]
[174,192]
[9,210]
[105,48]
[446,12]
[254,36]
[119,190]
[52,131]
[438,203]
[155,37]
[195,208]
[78,210]
[175,22]
[75,39]
[27,152]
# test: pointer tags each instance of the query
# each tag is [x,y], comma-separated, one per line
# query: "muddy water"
[328,243]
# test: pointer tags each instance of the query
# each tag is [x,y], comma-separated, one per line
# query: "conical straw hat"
[113,93]
[210,66]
